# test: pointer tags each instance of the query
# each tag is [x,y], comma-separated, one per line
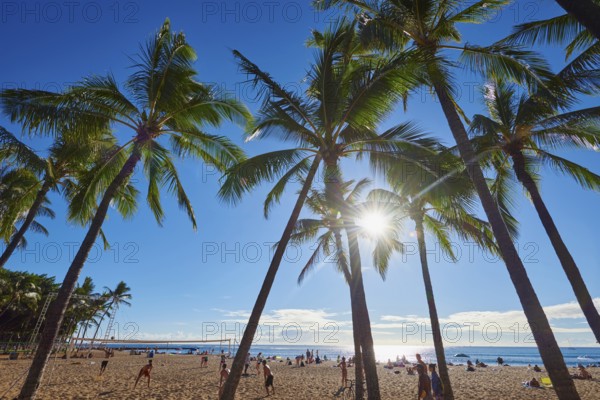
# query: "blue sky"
[184,281]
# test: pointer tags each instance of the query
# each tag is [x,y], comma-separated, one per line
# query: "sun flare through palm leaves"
[374,222]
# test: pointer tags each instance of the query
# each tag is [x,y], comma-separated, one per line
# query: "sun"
[374,223]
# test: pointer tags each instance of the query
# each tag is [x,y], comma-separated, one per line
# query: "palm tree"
[430,28]
[560,30]
[21,292]
[523,130]
[346,97]
[17,317]
[18,187]
[438,197]
[330,244]
[85,307]
[166,101]
[114,298]
[66,159]
[587,13]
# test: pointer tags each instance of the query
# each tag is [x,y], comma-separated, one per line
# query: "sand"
[180,377]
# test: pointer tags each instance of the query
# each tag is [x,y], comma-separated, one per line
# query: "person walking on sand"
[436,384]
[268,377]
[224,374]
[344,368]
[424,391]
[145,371]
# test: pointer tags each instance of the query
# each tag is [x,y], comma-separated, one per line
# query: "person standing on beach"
[145,371]
[344,371]
[424,391]
[247,364]
[224,374]
[421,362]
[268,377]
[107,354]
[436,384]
[258,363]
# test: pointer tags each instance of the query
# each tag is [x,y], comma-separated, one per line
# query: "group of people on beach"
[260,363]
[144,372]
[429,384]
[429,388]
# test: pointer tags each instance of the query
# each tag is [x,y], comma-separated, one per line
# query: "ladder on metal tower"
[111,321]
[38,325]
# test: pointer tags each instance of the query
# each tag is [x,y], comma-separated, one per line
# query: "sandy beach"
[180,377]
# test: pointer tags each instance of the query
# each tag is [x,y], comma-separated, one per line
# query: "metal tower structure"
[32,344]
[111,321]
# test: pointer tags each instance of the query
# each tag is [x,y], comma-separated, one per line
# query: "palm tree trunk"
[364,322]
[81,340]
[566,259]
[587,12]
[534,312]
[333,190]
[231,384]
[56,311]
[438,342]
[14,241]
[359,391]
[98,328]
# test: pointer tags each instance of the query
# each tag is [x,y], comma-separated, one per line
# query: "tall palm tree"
[523,130]
[165,101]
[66,159]
[430,28]
[439,198]
[114,298]
[330,247]
[346,97]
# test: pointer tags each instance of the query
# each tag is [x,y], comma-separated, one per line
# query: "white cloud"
[314,325]
[482,327]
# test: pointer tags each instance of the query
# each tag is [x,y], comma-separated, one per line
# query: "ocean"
[517,356]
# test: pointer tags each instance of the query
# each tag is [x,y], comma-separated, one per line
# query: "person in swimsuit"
[145,371]
[421,362]
[424,391]
[258,363]
[224,374]
[104,364]
[344,371]
[268,377]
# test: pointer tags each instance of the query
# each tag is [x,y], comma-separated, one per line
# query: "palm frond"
[246,175]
